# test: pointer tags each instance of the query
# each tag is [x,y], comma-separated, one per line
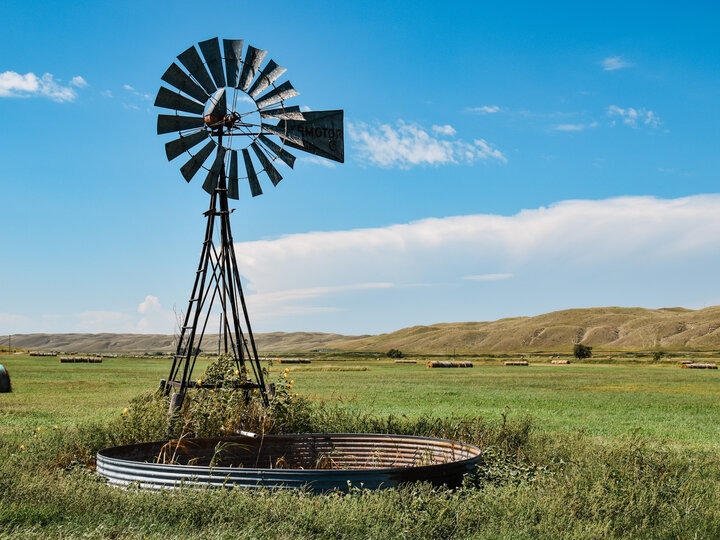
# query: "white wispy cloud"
[488,277]
[78,81]
[15,85]
[611,63]
[447,129]
[313,160]
[291,301]
[406,145]
[575,127]
[131,89]
[485,109]
[632,117]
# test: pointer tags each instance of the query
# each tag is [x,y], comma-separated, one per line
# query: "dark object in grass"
[699,366]
[516,363]
[582,351]
[316,461]
[401,361]
[5,385]
[448,364]
[293,361]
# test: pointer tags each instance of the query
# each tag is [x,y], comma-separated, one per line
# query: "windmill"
[227,103]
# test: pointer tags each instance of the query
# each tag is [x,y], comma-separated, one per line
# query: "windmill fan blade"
[211,52]
[194,64]
[267,165]
[182,81]
[214,173]
[194,163]
[287,113]
[174,148]
[251,64]
[321,133]
[233,176]
[255,188]
[218,105]
[233,53]
[268,75]
[281,131]
[167,123]
[172,100]
[281,93]
[283,154]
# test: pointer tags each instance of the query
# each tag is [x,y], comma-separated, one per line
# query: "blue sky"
[501,160]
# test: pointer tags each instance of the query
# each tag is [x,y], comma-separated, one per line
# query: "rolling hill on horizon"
[611,328]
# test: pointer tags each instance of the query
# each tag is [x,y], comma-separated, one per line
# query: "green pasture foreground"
[677,406]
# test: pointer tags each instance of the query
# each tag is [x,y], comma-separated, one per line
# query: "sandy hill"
[142,343]
[612,328]
[604,328]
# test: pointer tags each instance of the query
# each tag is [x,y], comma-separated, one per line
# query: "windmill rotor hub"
[216,121]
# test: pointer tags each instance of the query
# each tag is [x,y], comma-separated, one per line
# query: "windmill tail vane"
[227,102]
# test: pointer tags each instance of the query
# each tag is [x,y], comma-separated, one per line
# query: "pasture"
[582,451]
[678,406]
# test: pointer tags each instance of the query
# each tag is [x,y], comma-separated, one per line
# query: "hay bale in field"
[516,363]
[42,353]
[448,364]
[80,360]
[293,361]
[5,385]
[560,361]
[699,365]
[403,361]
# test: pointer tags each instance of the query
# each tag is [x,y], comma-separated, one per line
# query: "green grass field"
[590,451]
[676,405]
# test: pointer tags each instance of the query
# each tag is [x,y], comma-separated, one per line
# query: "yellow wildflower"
[212,391]
[55,427]
[22,447]
[125,411]
[38,429]
[34,435]
[199,382]
[237,372]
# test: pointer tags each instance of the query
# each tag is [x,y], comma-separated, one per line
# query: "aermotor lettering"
[316,132]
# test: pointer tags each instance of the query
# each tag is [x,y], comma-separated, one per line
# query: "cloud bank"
[552,254]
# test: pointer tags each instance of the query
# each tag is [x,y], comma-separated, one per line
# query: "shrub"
[582,351]
[394,353]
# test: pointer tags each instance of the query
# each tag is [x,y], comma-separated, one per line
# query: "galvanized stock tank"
[318,462]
